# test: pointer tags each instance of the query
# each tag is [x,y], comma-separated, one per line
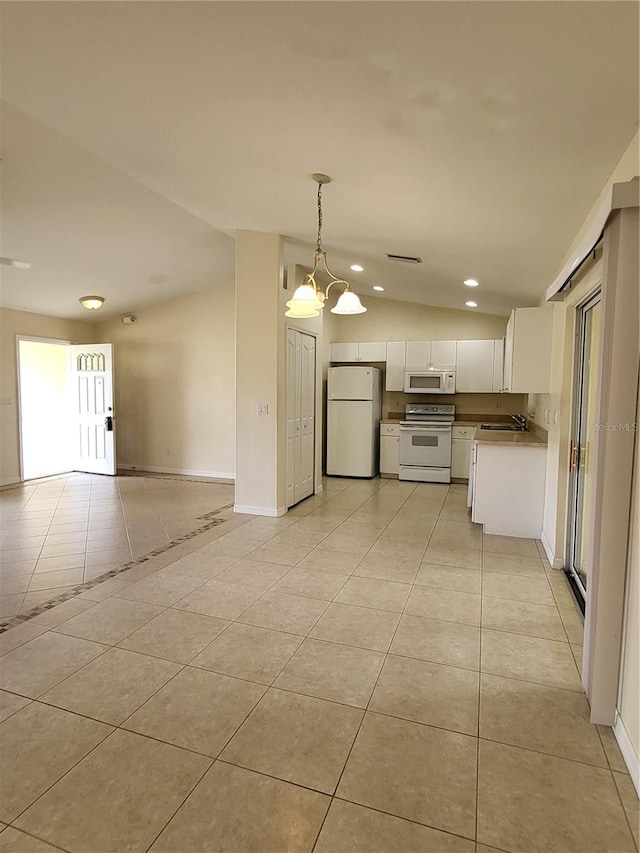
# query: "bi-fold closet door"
[301,397]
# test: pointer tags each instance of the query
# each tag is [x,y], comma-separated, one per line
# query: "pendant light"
[308,300]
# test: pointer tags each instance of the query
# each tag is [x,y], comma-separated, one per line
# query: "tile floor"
[368,673]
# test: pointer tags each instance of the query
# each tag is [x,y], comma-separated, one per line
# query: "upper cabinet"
[365,351]
[394,374]
[443,354]
[418,354]
[430,353]
[479,366]
[527,351]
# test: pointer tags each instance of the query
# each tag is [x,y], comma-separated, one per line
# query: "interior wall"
[45,409]
[175,384]
[14,323]
[392,320]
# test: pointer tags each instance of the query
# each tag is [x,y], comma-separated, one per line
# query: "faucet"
[521,420]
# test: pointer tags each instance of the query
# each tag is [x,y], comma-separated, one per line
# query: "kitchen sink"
[505,427]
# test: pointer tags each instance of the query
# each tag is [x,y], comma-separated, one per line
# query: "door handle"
[573,457]
[108,423]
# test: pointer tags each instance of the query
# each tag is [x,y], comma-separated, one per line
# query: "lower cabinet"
[461,447]
[389,447]
[508,493]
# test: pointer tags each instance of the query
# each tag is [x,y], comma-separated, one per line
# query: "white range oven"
[425,443]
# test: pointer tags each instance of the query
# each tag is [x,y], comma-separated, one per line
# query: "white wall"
[14,323]
[174,384]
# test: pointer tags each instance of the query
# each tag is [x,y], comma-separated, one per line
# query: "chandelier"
[308,299]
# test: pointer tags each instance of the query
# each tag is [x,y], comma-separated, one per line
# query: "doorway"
[45,407]
[301,404]
[581,474]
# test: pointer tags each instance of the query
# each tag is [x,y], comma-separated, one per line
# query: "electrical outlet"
[262,409]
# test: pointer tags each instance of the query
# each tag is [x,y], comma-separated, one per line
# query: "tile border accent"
[211,520]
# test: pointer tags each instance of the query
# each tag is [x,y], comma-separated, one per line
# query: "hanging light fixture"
[308,299]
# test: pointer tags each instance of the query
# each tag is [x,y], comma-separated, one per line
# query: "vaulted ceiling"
[138,137]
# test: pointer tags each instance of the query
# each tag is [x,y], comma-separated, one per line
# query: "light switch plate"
[262,409]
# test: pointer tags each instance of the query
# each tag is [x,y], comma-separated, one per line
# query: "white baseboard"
[260,510]
[318,489]
[10,481]
[556,563]
[185,472]
[627,750]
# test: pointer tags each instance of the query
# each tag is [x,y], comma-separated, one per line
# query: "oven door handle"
[423,428]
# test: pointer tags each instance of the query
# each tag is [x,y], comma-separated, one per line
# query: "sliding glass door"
[583,427]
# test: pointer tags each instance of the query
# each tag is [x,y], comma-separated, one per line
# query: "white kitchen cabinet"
[394,376]
[389,449]
[443,354]
[497,380]
[474,367]
[527,351]
[461,447]
[508,489]
[418,354]
[368,351]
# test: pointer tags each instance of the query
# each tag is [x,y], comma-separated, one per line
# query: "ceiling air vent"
[404,259]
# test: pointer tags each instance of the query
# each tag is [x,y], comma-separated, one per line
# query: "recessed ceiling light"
[12,262]
[471,282]
[378,288]
[471,304]
[356,268]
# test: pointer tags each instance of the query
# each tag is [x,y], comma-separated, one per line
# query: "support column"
[260,375]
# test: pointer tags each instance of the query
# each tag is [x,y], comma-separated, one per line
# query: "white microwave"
[425,381]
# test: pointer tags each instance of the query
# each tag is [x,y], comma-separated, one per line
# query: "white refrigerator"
[353,421]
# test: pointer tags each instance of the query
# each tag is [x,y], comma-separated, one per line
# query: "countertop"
[499,437]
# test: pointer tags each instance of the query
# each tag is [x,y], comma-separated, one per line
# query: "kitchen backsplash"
[477,404]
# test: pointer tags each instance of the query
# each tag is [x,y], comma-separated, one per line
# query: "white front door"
[92,389]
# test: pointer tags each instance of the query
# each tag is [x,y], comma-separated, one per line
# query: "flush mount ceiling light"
[308,300]
[92,303]
[470,282]
[12,262]
[471,304]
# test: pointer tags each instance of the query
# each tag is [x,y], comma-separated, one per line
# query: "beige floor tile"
[163,590]
[105,589]
[252,573]
[529,659]
[293,614]
[175,635]
[11,605]
[224,600]
[330,561]
[10,703]
[245,651]
[612,750]
[629,797]
[534,590]
[322,585]
[449,577]
[286,555]
[39,744]
[382,567]
[61,549]
[103,803]
[41,663]
[238,811]
[200,565]
[445,604]
[14,582]
[334,672]
[355,829]
[54,580]
[304,537]
[19,635]
[67,561]
[198,710]
[513,564]
[357,626]
[42,596]
[109,621]
[414,771]
[296,738]
[522,617]
[113,686]
[545,719]
[510,545]
[426,692]
[450,555]
[577,655]
[14,841]
[437,641]
[61,612]
[573,624]
[530,802]
[378,594]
